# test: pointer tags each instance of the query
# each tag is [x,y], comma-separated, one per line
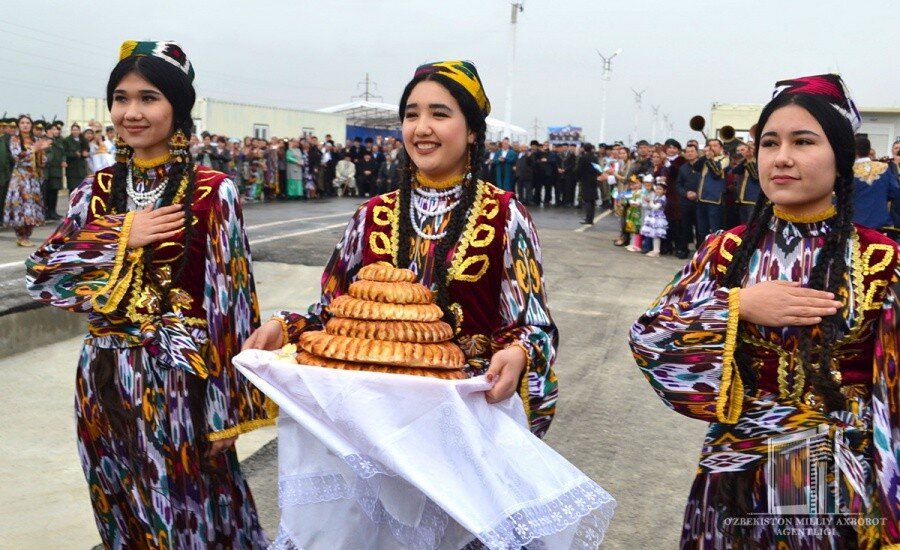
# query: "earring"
[468,176]
[123,150]
[178,146]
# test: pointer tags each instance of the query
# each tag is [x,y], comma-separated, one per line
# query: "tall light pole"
[655,109]
[638,98]
[666,126]
[517,7]
[604,83]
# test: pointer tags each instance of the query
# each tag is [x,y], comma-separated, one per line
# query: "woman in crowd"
[787,328]
[23,209]
[154,251]
[623,171]
[294,158]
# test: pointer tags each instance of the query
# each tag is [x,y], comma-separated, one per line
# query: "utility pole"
[605,77]
[517,8]
[655,109]
[367,84]
[666,126]
[535,126]
[638,98]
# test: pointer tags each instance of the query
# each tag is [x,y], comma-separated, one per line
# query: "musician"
[712,189]
[747,175]
[874,186]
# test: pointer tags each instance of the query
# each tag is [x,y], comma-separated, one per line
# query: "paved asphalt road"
[609,423]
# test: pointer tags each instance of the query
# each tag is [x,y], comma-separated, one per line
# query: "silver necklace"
[434,194]
[142,199]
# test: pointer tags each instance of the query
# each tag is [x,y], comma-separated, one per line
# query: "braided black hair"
[476,123]
[178,90]
[735,490]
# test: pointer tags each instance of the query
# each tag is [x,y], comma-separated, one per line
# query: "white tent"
[372,114]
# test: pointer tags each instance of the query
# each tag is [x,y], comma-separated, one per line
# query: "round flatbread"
[349,307]
[385,273]
[394,331]
[306,358]
[390,293]
[445,355]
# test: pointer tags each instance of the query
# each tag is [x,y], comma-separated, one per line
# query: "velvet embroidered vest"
[874,259]
[142,304]
[476,263]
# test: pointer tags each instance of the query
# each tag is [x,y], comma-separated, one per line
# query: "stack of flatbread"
[385,323]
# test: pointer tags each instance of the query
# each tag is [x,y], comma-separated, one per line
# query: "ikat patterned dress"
[153,487]
[685,343]
[497,282]
[24,205]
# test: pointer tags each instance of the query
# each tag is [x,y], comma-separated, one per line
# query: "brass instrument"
[697,123]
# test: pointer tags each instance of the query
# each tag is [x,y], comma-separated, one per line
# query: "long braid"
[734,278]
[405,236]
[458,219]
[828,274]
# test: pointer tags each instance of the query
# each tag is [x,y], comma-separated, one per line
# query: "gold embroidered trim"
[829,212]
[731,393]
[455,271]
[284,329]
[242,428]
[523,384]
[116,288]
[151,163]
[869,171]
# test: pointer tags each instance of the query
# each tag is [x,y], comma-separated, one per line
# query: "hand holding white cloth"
[373,460]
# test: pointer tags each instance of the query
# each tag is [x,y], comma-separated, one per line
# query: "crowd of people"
[666,196]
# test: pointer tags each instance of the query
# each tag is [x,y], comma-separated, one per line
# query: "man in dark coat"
[6,159]
[366,172]
[586,175]
[77,150]
[53,171]
[687,183]
[524,176]
[567,175]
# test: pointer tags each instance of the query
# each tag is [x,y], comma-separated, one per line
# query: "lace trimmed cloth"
[385,461]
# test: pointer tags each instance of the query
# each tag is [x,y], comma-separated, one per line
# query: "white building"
[880,124]
[234,120]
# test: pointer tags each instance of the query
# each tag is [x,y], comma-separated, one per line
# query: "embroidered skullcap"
[827,86]
[463,73]
[170,52]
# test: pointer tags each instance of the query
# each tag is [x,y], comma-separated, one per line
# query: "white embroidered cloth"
[383,461]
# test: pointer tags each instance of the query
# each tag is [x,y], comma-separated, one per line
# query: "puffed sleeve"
[84,266]
[684,344]
[345,262]
[233,405]
[526,317]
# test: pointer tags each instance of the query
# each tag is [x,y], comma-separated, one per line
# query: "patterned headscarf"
[463,73]
[828,86]
[167,51]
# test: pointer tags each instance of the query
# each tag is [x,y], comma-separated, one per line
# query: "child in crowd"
[632,201]
[655,224]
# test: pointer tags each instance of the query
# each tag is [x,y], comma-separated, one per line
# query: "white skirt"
[385,461]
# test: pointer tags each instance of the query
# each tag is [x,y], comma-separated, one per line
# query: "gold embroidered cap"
[463,73]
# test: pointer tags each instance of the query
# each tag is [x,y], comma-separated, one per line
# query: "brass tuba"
[726,133]
[697,123]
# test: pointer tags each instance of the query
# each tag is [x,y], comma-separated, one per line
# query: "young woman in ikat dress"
[785,325]
[471,242]
[153,250]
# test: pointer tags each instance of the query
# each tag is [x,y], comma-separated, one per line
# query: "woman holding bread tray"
[441,279]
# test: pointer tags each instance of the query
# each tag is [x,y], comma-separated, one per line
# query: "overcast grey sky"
[304,54]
